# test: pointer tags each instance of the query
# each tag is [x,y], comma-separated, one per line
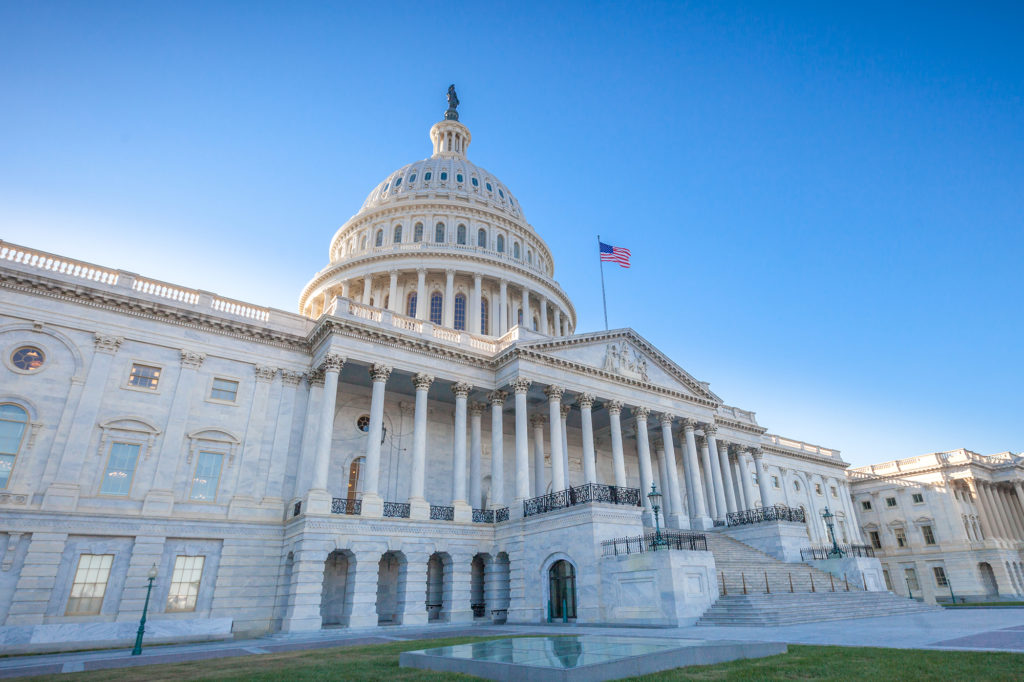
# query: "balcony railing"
[778,512]
[343,505]
[442,513]
[588,492]
[396,510]
[483,516]
[828,552]
[501,515]
[638,544]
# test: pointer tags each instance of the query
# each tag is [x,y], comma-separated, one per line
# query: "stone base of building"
[77,636]
[862,572]
[780,539]
[668,588]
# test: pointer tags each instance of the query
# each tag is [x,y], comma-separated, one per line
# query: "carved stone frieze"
[554,392]
[264,373]
[641,413]
[107,343]
[666,418]
[333,362]
[315,377]
[290,378]
[621,358]
[191,359]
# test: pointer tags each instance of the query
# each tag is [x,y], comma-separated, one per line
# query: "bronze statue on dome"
[453,104]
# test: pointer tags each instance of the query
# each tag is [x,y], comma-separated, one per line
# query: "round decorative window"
[27,358]
[363,423]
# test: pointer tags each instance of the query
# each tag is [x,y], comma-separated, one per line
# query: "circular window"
[363,423]
[27,358]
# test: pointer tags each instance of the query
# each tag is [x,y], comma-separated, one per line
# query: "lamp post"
[145,607]
[828,516]
[655,497]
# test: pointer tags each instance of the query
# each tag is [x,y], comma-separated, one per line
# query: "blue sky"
[824,204]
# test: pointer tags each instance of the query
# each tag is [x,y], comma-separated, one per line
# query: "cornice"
[806,456]
[329,326]
[740,426]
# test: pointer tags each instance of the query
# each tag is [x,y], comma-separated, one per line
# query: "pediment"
[622,354]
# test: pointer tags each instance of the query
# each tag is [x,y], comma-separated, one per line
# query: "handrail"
[652,542]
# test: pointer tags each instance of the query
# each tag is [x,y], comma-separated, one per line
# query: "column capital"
[520,385]
[461,389]
[701,441]
[503,282]
[476,409]
[756,453]
[735,449]
[641,413]
[192,359]
[614,406]
[477,277]
[421,271]
[449,272]
[315,377]
[333,362]
[107,343]
[290,378]
[666,418]
[689,424]
[554,392]
[379,373]
[422,381]
[538,420]
[266,374]
[585,400]
[497,398]
[709,430]
[565,409]
[393,272]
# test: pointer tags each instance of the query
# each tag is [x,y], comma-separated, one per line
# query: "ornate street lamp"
[655,497]
[145,607]
[828,516]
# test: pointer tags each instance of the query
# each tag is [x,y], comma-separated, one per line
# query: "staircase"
[737,563]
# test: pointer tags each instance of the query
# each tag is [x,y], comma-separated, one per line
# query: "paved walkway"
[967,629]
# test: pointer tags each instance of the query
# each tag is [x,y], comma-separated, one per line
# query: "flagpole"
[604,300]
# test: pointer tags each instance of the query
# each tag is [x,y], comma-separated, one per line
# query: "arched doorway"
[355,477]
[335,600]
[988,578]
[562,589]
[390,592]
[477,585]
[438,576]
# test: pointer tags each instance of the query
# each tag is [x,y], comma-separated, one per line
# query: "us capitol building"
[429,438]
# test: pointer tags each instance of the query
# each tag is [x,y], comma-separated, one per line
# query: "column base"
[648,518]
[373,508]
[414,618]
[702,523]
[158,503]
[419,509]
[317,502]
[363,620]
[61,497]
[463,513]
[516,510]
[312,623]
[460,616]
[678,521]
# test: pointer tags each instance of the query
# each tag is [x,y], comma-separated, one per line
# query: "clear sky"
[824,204]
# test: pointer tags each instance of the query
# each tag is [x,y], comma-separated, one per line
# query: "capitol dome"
[445,232]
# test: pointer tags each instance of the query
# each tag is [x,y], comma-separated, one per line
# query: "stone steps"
[737,563]
[790,609]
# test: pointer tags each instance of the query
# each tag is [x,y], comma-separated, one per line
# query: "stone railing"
[778,512]
[809,448]
[588,492]
[59,264]
[651,542]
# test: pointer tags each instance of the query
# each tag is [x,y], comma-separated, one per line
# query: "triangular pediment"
[623,354]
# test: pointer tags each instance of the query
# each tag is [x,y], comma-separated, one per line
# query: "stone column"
[497,400]
[463,512]
[586,403]
[393,292]
[1001,510]
[282,435]
[679,517]
[521,386]
[618,459]
[412,608]
[558,320]
[542,313]
[995,522]
[422,304]
[709,481]
[663,487]
[419,508]
[502,307]
[476,411]
[643,453]
[565,443]
[701,519]
[1006,498]
[373,503]
[741,501]
[537,421]
[716,471]
[723,460]
[766,489]
[459,604]
[344,293]
[743,460]
[986,525]
[1018,489]
[318,499]
[304,473]
[449,298]
[367,283]
[246,493]
[526,308]
[554,394]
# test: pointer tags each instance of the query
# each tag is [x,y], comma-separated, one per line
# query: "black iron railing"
[396,510]
[588,492]
[501,515]
[442,513]
[343,505]
[719,522]
[828,552]
[778,512]
[483,516]
[479,610]
[648,543]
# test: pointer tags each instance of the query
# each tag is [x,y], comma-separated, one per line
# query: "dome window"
[460,235]
[439,233]
[476,183]
[410,306]
[412,178]
[362,243]
[460,312]
[435,307]
[398,181]
[515,250]
[417,232]
[444,175]
[458,178]
[481,238]
[500,193]
[398,234]
[426,176]
[529,257]
[379,239]
[483,315]
[489,187]
[499,243]
[386,185]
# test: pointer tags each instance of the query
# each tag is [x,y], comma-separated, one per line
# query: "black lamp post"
[145,607]
[655,497]
[828,516]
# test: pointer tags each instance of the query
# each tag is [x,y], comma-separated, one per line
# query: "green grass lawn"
[380,662]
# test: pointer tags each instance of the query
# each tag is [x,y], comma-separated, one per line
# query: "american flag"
[615,254]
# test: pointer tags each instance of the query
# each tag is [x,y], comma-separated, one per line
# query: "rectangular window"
[817,488]
[901,537]
[224,389]
[775,482]
[188,570]
[876,539]
[911,577]
[120,469]
[144,376]
[918,498]
[890,502]
[835,493]
[940,576]
[204,483]
[929,536]
[90,584]
[888,579]
[866,505]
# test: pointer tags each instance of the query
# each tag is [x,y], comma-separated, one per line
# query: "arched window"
[417,233]
[397,239]
[534,323]
[410,306]
[355,478]
[460,311]
[500,243]
[387,300]
[483,315]
[520,319]
[481,238]
[529,257]
[439,232]
[13,423]
[562,589]
[362,243]
[379,239]
[515,250]
[435,307]
[461,234]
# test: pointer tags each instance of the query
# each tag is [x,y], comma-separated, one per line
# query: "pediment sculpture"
[623,359]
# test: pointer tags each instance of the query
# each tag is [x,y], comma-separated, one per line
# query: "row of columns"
[1000,509]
